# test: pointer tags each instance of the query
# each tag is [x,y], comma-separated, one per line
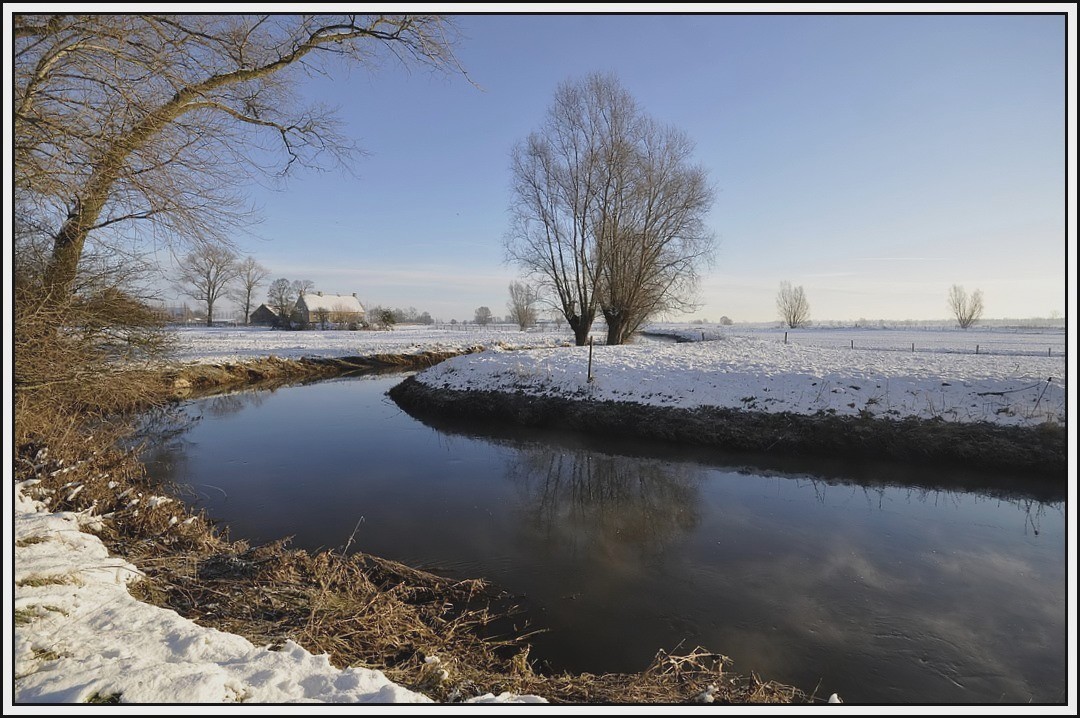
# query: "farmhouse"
[325,310]
[264,315]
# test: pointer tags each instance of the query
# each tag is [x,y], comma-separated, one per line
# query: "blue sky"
[873,159]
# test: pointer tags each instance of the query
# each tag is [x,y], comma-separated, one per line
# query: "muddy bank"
[191,379]
[1040,450]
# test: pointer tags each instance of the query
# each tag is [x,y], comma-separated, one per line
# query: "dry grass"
[35,581]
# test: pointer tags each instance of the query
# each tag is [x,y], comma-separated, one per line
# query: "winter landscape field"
[1017,377]
[91,622]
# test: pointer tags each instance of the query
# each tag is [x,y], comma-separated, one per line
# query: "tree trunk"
[617,325]
[68,246]
[581,326]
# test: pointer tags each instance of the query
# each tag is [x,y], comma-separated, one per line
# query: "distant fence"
[993,343]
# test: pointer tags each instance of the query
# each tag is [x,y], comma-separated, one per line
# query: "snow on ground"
[764,374]
[219,345]
[1015,340]
[78,634]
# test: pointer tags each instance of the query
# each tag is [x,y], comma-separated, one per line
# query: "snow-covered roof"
[331,302]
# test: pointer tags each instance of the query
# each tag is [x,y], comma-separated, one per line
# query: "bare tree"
[161,118]
[300,287]
[522,304]
[658,241]
[250,274]
[792,305]
[483,316]
[281,298]
[205,274]
[966,309]
[607,212]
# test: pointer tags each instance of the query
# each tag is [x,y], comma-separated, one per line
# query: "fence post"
[852,343]
[1047,351]
[590,360]
[976,348]
[785,337]
[913,347]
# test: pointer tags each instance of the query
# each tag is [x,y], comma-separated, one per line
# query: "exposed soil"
[1042,450]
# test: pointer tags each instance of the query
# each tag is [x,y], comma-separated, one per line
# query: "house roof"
[331,302]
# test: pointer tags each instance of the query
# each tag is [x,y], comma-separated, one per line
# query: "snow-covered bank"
[739,372]
[79,636]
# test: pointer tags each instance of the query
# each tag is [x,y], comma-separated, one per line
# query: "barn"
[327,311]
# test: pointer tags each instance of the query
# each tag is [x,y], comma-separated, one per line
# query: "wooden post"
[785,337]
[852,343]
[590,360]
[913,347]
[976,348]
[1047,351]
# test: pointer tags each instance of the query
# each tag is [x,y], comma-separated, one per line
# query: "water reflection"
[870,579]
[576,498]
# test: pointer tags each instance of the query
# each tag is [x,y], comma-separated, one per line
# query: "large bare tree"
[658,242]
[205,274]
[162,118]
[249,275]
[967,309]
[607,213]
[792,305]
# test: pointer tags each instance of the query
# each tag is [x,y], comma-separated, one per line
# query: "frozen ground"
[1018,376]
[757,370]
[231,344]
[79,635]
[1018,341]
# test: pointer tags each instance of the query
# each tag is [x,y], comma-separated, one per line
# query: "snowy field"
[760,372]
[80,634]
[1018,376]
[219,345]
[1016,341]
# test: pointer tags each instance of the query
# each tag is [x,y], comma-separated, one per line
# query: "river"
[835,576]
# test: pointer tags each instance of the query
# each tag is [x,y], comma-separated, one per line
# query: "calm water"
[801,575]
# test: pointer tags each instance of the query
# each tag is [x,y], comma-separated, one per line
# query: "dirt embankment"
[192,379]
[1042,450]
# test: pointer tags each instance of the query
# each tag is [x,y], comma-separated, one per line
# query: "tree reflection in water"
[161,436]
[577,498]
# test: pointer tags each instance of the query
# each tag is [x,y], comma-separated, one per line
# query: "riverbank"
[753,394]
[1042,450]
[233,622]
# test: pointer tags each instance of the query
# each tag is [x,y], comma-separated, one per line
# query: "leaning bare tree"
[161,118]
[607,213]
[792,305]
[522,304]
[967,309]
[250,274]
[205,275]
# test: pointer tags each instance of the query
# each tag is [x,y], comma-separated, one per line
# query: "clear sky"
[873,159]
